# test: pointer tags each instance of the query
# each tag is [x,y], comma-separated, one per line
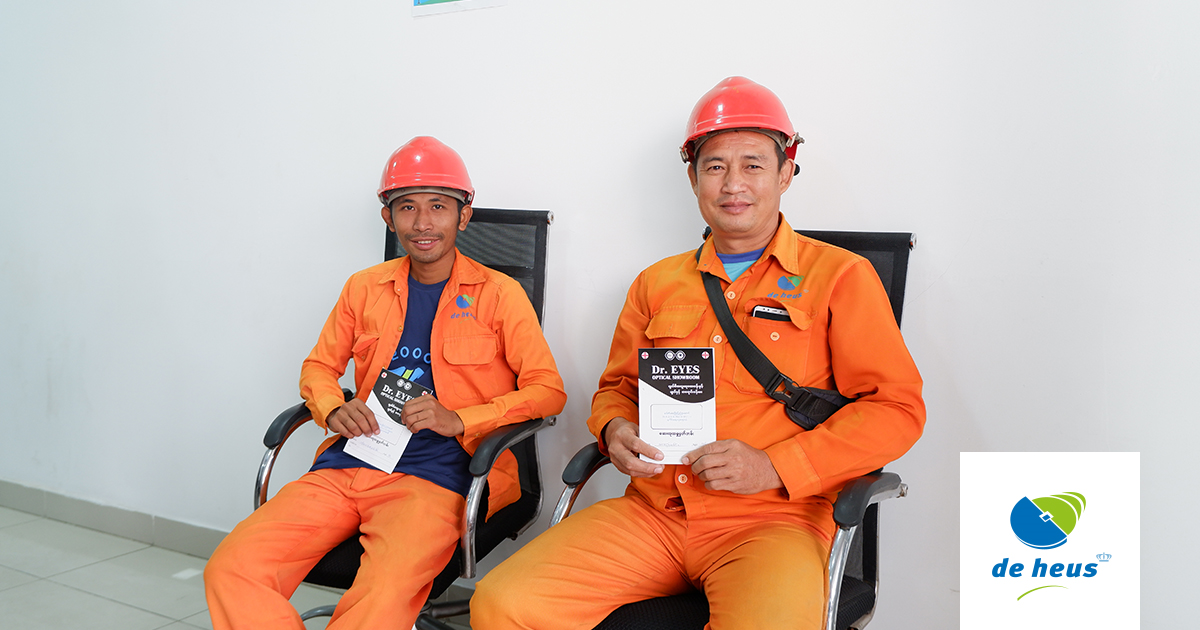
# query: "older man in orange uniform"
[435,317]
[747,518]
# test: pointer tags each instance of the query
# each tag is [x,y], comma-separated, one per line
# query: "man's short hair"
[781,157]
[456,195]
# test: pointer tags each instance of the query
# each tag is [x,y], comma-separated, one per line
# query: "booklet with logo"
[677,404]
[386,400]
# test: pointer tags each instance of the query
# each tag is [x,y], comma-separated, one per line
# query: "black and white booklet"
[677,403]
[386,401]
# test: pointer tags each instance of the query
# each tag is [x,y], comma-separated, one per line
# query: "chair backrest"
[887,251]
[510,241]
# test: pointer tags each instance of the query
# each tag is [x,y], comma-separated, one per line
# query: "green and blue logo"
[465,302]
[789,283]
[1045,522]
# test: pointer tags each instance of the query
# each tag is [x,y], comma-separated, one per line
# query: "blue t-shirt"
[436,458]
[736,264]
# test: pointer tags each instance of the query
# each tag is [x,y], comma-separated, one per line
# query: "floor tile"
[201,620]
[12,577]
[44,604]
[179,625]
[308,596]
[12,517]
[157,580]
[44,548]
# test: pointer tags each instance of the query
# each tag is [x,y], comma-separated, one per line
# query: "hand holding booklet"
[677,404]
[386,401]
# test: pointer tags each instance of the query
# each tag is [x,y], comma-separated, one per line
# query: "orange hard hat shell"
[739,103]
[425,162]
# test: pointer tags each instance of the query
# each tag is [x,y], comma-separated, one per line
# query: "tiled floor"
[54,575]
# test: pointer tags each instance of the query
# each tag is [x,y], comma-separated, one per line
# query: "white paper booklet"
[386,400]
[677,404]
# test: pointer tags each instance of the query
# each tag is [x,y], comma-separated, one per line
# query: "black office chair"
[854,555]
[513,242]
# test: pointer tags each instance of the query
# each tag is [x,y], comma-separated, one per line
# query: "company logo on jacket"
[789,284]
[464,302]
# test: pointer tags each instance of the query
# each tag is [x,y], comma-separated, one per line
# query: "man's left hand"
[425,412]
[735,466]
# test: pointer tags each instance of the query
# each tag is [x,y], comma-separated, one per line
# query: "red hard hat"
[424,162]
[739,103]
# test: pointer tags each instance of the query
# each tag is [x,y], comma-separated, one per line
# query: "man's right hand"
[621,437]
[352,420]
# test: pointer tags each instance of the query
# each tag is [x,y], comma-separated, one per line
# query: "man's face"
[427,224]
[738,181]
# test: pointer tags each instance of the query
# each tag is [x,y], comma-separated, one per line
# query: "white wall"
[184,187]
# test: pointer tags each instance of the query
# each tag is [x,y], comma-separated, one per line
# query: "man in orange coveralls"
[437,318]
[748,518]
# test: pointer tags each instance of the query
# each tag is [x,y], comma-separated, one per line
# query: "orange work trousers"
[409,526]
[759,572]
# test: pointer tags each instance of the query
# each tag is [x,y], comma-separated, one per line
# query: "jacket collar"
[783,247]
[465,271]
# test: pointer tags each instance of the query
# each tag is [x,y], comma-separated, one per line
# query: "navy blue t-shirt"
[436,458]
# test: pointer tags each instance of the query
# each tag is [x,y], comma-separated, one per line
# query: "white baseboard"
[154,530]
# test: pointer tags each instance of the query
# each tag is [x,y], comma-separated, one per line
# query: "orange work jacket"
[840,331]
[489,359]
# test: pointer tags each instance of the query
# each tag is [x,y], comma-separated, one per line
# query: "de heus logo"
[790,285]
[464,302]
[1045,522]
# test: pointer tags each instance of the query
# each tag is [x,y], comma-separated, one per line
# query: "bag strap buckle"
[786,391]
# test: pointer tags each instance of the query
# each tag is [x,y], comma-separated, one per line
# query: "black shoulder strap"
[800,401]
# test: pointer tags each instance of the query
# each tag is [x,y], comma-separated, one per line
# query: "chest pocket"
[471,350]
[785,341]
[363,346]
[675,322]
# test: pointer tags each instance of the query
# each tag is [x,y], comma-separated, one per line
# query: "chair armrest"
[582,466]
[500,440]
[292,417]
[482,462]
[282,427]
[585,462]
[860,493]
[285,423]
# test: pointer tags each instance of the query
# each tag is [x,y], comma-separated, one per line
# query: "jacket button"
[730,294]
[682,478]
[717,339]
[774,336]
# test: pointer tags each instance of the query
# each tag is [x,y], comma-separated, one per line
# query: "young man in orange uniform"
[443,321]
[747,518]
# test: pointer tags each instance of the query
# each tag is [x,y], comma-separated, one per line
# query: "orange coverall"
[490,364]
[669,533]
